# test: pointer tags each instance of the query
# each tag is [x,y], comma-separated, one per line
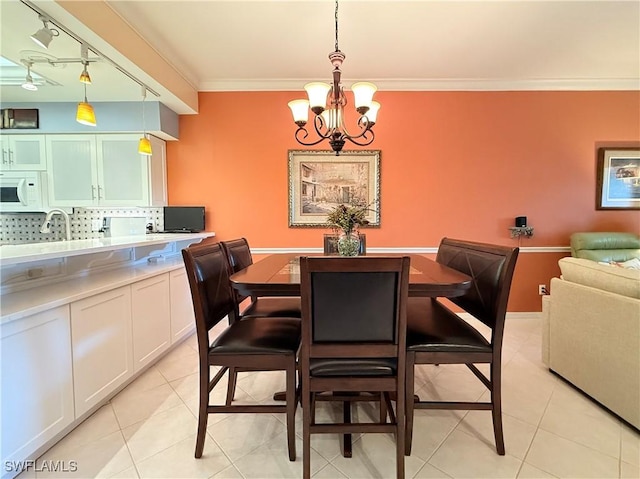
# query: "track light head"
[28,81]
[44,36]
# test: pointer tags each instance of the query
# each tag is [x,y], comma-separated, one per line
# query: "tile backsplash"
[20,228]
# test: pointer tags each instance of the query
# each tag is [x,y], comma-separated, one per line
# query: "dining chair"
[330,245]
[353,343]
[256,344]
[437,335]
[239,257]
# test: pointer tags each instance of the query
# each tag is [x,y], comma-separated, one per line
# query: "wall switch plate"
[96,225]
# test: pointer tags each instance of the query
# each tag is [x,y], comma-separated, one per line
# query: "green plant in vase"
[345,220]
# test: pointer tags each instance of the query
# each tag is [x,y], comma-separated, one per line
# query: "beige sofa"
[591,333]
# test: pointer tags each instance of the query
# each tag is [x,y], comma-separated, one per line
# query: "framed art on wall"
[618,178]
[319,181]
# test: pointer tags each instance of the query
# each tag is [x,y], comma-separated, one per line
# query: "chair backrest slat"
[491,268]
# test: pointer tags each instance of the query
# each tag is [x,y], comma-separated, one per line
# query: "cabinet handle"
[93,192]
[4,156]
[100,192]
[10,155]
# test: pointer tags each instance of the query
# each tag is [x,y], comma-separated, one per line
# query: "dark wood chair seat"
[259,336]
[355,367]
[432,327]
[277,306]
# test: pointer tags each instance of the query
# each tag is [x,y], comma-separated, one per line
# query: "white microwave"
[21,191]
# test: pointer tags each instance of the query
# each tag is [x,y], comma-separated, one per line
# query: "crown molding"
[478,84]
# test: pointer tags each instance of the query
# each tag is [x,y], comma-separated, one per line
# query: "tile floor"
[551,430]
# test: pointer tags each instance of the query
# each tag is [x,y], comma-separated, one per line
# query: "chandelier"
[327,102]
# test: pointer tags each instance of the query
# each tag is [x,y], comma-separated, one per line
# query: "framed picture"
[319,181]
[618,179]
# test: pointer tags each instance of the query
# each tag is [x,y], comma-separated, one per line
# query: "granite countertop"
[14,254]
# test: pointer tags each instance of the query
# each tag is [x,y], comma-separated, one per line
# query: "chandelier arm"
[364,136]
[301,139]
[318,123]
[364,128]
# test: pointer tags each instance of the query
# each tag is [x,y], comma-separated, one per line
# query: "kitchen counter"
[39,276]
[23,253]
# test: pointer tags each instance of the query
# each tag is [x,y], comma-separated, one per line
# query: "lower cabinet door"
[101,345]
[151,319]
[37,383]
[182,318]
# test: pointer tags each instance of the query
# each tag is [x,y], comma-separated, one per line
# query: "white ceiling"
[400,45]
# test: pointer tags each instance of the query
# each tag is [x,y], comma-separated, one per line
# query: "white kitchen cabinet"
[23,152]
[104,170]
[151,319]
[102,346]
[37,383]
[182,317]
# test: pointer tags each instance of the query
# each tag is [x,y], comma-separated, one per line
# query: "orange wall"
[457,164]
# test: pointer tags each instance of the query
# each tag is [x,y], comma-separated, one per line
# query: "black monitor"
[183,219]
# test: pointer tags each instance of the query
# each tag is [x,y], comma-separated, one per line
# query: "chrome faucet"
[46,226]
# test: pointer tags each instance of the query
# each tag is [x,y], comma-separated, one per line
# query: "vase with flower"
[345,220]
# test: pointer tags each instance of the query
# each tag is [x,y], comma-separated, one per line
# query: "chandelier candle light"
[327,102]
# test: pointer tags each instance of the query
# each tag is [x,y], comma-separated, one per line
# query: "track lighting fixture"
[28,82]
[144,145]
[44,36]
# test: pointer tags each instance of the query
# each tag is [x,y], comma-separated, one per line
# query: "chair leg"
[291,410]
[383,408]
[231,385]
[400,429]
[347,447]
[496,411]
[203,414]
[307,413]
[409,400]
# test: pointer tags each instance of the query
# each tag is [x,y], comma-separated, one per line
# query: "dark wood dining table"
[279,275]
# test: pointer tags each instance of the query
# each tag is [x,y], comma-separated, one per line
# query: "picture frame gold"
[319,181]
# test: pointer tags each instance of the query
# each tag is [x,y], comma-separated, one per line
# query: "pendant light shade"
[144,146]
[85,114]
[84,76]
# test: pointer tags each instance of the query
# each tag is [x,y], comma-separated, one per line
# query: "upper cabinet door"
[23,152]
[123,173]
[72,175]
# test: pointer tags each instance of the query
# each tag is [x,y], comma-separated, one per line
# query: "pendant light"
[144,145]
[84,55]
[85,114]
[327,102]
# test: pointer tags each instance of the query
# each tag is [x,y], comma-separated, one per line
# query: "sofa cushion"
[605,246]
[601,276]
